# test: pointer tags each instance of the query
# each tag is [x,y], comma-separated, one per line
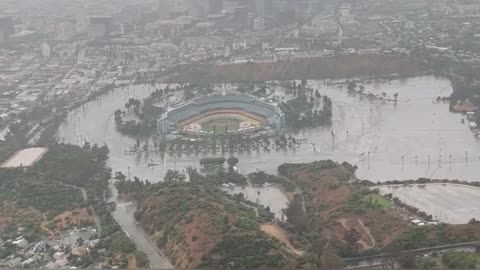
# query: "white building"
[20,242]
[46,50]
[65,31]
[473,125]
[259,24]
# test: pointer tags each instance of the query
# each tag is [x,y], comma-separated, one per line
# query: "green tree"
[295,213]
[352,237]
[121,243]
[232,161]
[120,176]
[174,176]
[142,259]
[408,261]
[426,263]
[459,259]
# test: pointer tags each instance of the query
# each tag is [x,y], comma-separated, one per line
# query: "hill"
[60,193]
[348,214]
[339,210]
[331,215]
[202,226]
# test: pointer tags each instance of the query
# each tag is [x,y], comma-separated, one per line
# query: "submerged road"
[123,214]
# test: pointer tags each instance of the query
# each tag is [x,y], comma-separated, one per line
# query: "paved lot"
[24,157]
[449,203]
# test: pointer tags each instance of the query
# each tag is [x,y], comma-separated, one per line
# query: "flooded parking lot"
[268,195]
[415,137]
[449,203]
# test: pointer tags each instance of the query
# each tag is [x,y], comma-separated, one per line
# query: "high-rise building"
[82,22]
[259,24]
[6,29]
[250,4]
[264,8]
[215,6]
[99,26]
[241,15]
[203,8]
[165,8]
[46,50]
[65,30]
[127,28]
[180,8]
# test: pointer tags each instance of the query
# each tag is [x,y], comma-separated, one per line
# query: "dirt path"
[275,231]
[94,215]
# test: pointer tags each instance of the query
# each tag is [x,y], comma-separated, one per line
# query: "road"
[95,217]
[123,214]
[413,251]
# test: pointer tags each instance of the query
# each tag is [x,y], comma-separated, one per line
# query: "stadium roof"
[217,102]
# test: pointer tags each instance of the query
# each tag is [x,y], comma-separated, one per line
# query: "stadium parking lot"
[449,203]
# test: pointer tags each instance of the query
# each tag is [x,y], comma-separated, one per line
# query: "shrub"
[142,259]
[459,259]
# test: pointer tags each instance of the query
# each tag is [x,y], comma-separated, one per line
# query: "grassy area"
[418,237]
[376,201]
[220,124]
[47,185]
[6,150]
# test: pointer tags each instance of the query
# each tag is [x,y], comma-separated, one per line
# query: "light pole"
[368,159]
[333,139]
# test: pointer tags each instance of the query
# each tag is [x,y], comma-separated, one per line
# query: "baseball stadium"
[222,114]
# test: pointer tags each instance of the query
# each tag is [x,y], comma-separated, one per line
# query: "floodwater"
[267,195]
[448,203]
[416,137]
[374,135]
